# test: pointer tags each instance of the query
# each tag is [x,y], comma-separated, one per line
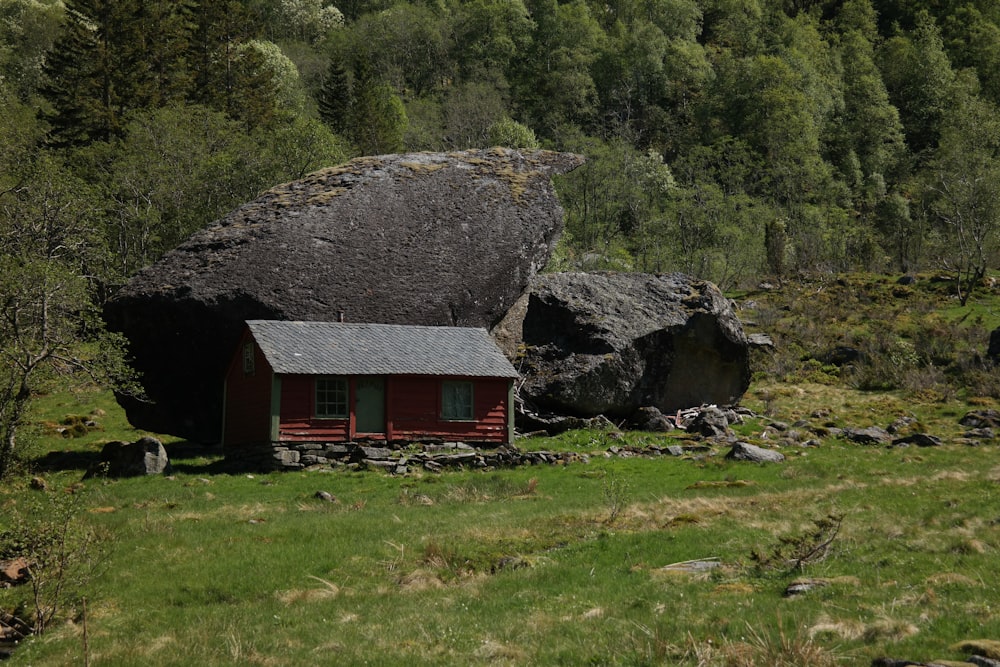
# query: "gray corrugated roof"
[337,348]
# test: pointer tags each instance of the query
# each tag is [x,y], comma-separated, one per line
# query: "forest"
[735,140]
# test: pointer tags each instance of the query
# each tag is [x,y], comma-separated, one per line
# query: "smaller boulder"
[981,419]
[873,435]
[744,451]
[145,456]
[920,440]
[650,419]
[711,422]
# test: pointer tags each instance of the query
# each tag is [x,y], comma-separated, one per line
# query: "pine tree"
[114,56]
[378,117]
[335,97]
[213,52]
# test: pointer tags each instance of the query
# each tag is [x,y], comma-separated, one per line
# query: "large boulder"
[612,343]
[425,238]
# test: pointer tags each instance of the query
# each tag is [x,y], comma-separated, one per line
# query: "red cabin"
[294,388]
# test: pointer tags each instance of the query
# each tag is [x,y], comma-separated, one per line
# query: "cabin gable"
[249,386]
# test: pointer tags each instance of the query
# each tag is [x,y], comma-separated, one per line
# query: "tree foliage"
[731,139]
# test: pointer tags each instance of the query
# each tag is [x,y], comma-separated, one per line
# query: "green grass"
[563,564]
[537,565]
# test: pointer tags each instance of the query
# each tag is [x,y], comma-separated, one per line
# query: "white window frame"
[327,404]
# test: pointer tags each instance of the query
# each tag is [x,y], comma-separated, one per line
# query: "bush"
[62,552]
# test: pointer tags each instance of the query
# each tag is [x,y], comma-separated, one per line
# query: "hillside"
[844,553]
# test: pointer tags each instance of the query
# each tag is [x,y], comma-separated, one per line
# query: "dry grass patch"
[419,580]
[496,652]
[327,591]
[759,649]
[951,476]
[734,588]
[951,579]
[846,629]
[888,630]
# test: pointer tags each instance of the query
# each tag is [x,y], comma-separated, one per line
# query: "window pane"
[456,400]
[331,397]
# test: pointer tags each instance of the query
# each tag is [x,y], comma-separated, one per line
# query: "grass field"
[541,565]
[546,565]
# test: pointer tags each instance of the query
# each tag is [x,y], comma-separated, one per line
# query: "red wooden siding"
[413,409]
[297,423]
[416,410]
[248,400]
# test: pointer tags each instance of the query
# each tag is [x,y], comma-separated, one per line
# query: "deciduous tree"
[965,189]
[47,260]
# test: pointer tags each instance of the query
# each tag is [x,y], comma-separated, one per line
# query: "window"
[331,398]
[456,401]
[248,358]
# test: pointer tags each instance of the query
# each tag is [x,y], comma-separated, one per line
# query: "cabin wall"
[413,408]
[415,404]
[247,413]
[297,423]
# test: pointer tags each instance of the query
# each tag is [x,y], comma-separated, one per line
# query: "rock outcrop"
[426,238]
[612,343]
[145,456]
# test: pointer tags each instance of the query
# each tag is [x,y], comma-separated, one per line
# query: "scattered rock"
[423,238]
[800,586]
[919,439]
[981,419]
[760,341]
[873,435]
[650,419]
[743,451]
[901,424]
[145,456]
[711,422]
[14,572]
[692,566]
[612,343]
[556,424]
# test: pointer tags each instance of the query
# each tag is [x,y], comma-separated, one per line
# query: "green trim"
[510,412]
[275,406]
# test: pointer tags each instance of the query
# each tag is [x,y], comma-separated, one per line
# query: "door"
[369,407]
